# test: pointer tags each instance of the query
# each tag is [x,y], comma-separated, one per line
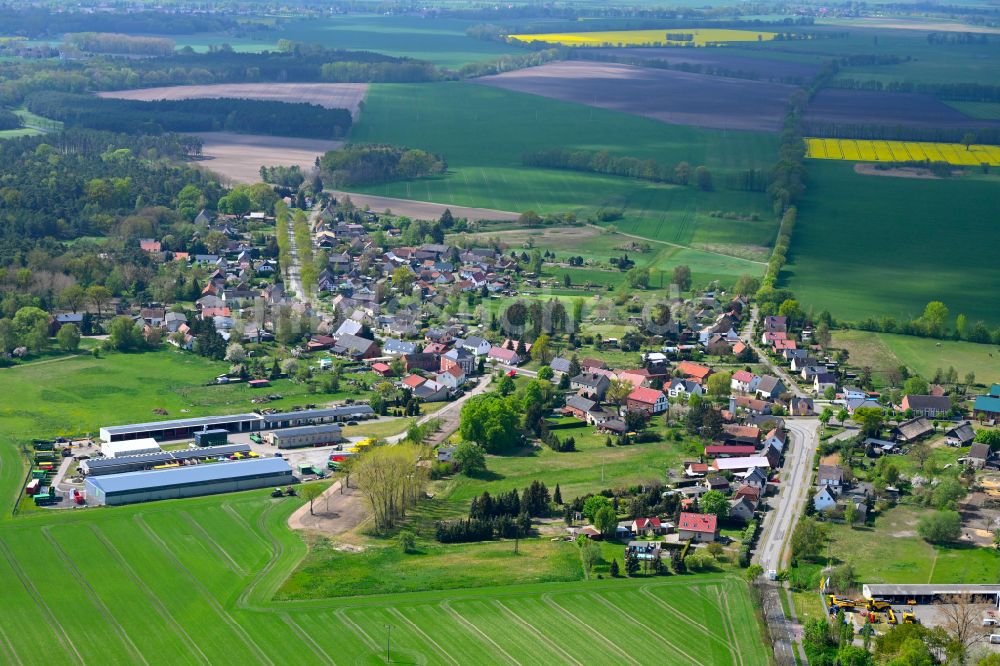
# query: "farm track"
[92,593]
[682,247]
[476,630]
[307,639]
[420,632]
[645,627]
[594,633]
[535,632]
[32,591]
[205,592]
[154,600]
[231,563]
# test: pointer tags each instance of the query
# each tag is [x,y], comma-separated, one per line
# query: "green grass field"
[873,246]
[440,41]
[483,133]
[882,351]
[891,552]
[983,110]
[190,581]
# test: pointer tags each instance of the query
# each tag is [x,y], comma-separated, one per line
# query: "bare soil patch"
[333,512]
[764,69]
[903,24]
[425,210]
[669,96]
[329,95]
[867,107]
[239,157]
[901,172]
[548,236]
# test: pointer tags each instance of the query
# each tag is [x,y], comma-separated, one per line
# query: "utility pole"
[388,640]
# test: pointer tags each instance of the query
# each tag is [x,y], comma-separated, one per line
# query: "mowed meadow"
[870,247]
[484,132]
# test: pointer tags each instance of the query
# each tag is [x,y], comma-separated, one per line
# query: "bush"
[940,526]
[407,541]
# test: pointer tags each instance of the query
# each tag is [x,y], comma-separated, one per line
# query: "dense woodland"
[9,120]
[38,22]
[114,42]
[297,63]
[365,164]
[87,183]
[192,115]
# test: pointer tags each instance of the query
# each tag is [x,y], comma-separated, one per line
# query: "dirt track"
[329,95]
[424,210]
[239,157]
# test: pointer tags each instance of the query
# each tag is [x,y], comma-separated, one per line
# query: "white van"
[994,638]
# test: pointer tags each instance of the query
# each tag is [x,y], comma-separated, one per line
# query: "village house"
[741,381]
[355,347]
[742,509]
[453,377]
[504,356]
[683,388]
[823,381]
[694,371]
[961,434]
[647,527]
[421,361]
[460,357]
[912,430]
[931,406]
[591,383]
[979,454]
[476,345]
[733,433]
[769,388]
[699,527]
[830,475]
[585,409]
[647,401]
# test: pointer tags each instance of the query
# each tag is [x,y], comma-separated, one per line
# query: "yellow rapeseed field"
[678,37]
[862,150]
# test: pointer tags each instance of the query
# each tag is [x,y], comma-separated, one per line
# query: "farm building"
[292,438]
[122,464]
[180,428]
[129,448]
[316,416]
[928,594]
[187,428]
[193,481]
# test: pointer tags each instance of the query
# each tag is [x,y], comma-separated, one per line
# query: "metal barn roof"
[331,412]
[308,430]
[168,456]
[178,423]
[182,476]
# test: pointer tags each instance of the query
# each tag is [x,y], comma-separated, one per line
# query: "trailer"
[214,437]
[33,487]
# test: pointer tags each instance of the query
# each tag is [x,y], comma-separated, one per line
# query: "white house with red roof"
[413,381]
[694,371]
[647,400]
[453,377]
[505,356]
[700,527]
[647,526]
[741,381]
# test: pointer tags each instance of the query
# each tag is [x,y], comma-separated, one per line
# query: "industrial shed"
[181,428]
[291,438]
[929,594]
[122,464]
[309,417]
[193,481]
[132,447]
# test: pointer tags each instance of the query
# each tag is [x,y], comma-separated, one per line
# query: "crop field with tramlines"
[661,37]
[191,581]
[863,150]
